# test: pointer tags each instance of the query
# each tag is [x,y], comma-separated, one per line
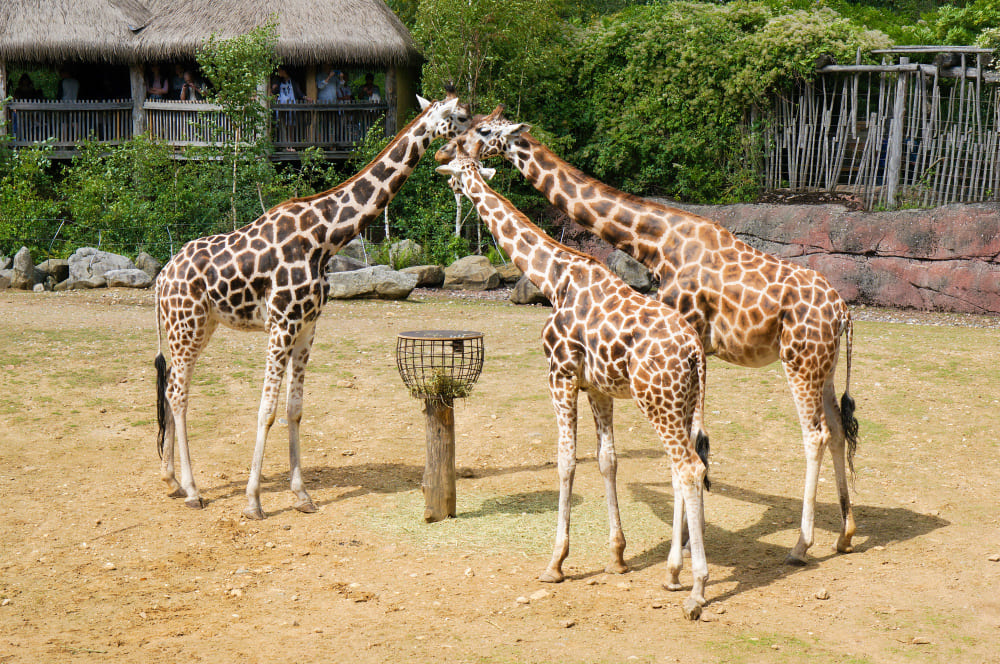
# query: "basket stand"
[439,366]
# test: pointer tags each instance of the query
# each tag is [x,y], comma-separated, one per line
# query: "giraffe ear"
[487,173]
[447,169]
[424,103]
[449,104]
[517,129]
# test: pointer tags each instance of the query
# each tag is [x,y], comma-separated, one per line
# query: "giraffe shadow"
[389,478]
[753,561]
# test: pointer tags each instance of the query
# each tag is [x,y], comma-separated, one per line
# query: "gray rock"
[81,284]
[57,268]
[148,264]
[4,262]
[354,249]
[377,282]
[526,292]
[5,279]
[341,263]
[405,252]
[631,271]
[509,274]
[87,262]
[428,276]
[130,278]
[471,273]
[39,288]
[23,275]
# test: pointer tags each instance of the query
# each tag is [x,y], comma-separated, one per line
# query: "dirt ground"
[98,564]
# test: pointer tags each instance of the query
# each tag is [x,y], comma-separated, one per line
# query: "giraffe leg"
[602,407]
[679,536]
[277,360]
[837,451]
[177,397]
[808,398]
[167,460]
[564,398]
[693,489]
[296,379]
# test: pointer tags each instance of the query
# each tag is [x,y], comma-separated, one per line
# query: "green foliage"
[28,204]
[493,51]
[955,25]
[663,91]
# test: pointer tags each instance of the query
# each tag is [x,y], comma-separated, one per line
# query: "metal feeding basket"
[440,364]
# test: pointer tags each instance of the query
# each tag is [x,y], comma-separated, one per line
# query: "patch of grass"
[779,648]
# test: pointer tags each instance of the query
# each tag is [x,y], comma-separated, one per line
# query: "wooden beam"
[137,76]
[3,97]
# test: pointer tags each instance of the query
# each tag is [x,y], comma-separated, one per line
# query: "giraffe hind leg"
[165,429]
[296,379]
[602,407]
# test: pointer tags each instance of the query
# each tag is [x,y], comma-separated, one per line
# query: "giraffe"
[748,307]
[613,343]
[269,275]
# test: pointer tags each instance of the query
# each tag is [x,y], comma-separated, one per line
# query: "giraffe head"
[492,135]
[463,163]
[446,118]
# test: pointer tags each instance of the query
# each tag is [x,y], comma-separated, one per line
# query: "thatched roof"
[122,31]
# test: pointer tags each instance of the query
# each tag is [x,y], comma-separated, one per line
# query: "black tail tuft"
[701,446]
[162,376]
[850,425]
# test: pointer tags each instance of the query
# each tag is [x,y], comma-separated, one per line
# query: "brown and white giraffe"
[748,307]
[613,343]
[270,275]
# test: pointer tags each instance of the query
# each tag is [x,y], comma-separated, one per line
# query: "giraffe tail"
[162,377]
[701,444]
[847,419]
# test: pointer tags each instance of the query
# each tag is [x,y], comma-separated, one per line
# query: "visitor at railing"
[69,87]
[370,91]
[192,89]
[327,85]
[159,85]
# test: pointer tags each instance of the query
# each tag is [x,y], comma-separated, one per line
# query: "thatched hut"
[108,46]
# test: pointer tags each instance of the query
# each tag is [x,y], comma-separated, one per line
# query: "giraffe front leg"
[602,407]
[564,396]
[296,380]
[693,501]
[277,359]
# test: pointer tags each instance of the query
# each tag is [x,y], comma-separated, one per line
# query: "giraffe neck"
[542,260]
[347,209]
[624,220]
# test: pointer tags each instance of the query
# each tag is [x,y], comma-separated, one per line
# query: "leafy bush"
[29,206]
[664,91]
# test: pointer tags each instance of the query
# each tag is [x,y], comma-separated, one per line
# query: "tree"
[238,70]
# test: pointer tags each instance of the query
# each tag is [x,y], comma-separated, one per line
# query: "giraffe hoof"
[177,493]
[551,576]
[306,507]
[691,609]
[672,585]
[253,513]
[795,561]
[195,503]
[844,546]
[616,567]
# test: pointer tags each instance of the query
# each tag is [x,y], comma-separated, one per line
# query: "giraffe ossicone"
[748,307]
[607,340]
[270,275]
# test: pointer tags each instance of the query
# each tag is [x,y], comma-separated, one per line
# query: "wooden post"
[438,484]
[137,76]
[3,98]
[893,161]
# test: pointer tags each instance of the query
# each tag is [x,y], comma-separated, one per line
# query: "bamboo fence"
[895,135]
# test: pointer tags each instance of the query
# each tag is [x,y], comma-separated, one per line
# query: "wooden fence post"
[894,160]
[438,483]
[3,97]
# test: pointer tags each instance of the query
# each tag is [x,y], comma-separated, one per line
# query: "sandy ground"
[98,564]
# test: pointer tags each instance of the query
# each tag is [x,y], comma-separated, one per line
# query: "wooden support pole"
[3,97]
[137,77]
[438,484]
